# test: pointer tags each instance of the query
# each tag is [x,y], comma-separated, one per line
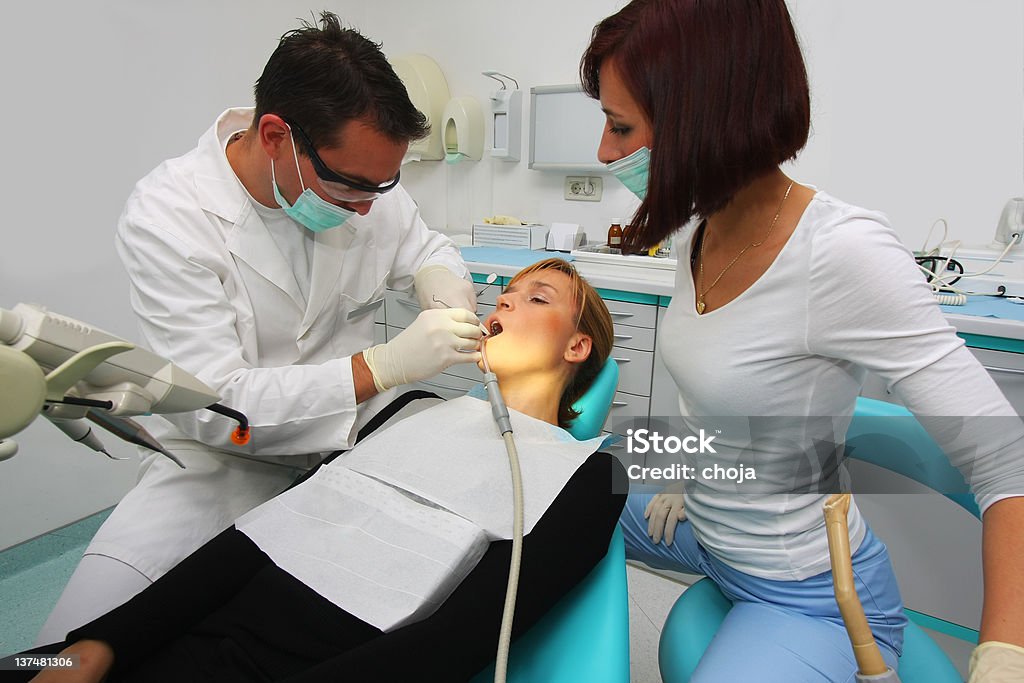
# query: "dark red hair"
[724,87]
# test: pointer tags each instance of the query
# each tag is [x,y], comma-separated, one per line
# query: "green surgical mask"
[310,209]
[633,171]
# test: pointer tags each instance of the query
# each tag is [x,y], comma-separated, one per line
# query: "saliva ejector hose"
[500,413]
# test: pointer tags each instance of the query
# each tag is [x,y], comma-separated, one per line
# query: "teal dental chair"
[585,637]
[900,445]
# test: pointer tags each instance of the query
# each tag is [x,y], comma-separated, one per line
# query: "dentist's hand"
[995,662]
[436,339]
[438,287]
[663,513]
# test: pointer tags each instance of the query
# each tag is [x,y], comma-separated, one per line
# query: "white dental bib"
[389,530]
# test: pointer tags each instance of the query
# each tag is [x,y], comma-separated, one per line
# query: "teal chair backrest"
[880,433]
[585,637]
[889,436]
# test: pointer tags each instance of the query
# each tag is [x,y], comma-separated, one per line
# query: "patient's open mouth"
[495,328]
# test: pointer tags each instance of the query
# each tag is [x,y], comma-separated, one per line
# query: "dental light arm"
[64,368]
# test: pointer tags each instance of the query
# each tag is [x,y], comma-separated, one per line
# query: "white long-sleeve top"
[843,297]
[255,305]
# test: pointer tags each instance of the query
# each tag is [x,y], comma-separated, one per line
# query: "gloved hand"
[995,662]
[436,339]
[438,287]
[662,514]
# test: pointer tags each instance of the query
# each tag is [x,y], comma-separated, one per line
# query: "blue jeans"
[784,631]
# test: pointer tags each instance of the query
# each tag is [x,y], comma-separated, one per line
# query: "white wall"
[918,112]
[918,109]
[918,106]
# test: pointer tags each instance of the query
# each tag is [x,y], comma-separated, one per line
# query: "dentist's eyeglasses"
[336,185]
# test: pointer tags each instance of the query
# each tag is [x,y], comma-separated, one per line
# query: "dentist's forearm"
[1002,616]
[362,379]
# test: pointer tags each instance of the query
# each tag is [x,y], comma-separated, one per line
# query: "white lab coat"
[215,295]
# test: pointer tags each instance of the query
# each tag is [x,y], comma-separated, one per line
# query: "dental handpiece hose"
[501,418]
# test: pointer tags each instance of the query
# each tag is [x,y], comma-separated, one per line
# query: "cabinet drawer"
[627,412]
[400,308]
[1007,369]
[628,313]
[466,371]
[487,294]
[484,310]
[448,386]
[380,333]
[634,370]
[630,337]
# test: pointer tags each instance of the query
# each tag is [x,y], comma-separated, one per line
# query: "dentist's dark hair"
[724,87]
[323,76]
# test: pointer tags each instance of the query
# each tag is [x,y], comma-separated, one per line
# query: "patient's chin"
[501,351]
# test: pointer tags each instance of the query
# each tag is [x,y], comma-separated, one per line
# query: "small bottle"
[626,232]
[615,236]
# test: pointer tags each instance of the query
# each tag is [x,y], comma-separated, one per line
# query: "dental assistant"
[790,298]
[257,262]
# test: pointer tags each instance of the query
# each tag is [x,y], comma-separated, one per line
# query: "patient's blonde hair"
[593,320]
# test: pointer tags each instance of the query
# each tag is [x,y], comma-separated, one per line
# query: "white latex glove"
[662,514]
[438,287]
[436,339]
[995,662]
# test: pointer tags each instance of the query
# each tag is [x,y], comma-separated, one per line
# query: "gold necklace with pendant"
[700,274]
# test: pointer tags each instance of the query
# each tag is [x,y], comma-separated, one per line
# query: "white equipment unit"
[510,236]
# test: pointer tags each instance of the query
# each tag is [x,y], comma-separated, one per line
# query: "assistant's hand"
[995,662]
[438,287]
[436,339]
[663,513]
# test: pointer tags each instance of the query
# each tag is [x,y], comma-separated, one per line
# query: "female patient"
[231,612]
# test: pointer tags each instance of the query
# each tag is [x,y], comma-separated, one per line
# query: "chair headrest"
[593,406]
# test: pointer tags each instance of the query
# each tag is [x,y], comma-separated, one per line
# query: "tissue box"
[565,237]
[510,236]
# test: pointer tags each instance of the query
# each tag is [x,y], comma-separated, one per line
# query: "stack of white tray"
[601,253]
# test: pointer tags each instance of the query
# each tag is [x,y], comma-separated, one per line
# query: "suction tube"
[500,413]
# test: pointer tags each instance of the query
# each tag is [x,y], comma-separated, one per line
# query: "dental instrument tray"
[602,253]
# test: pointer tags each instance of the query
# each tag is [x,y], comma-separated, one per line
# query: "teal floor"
[32,576]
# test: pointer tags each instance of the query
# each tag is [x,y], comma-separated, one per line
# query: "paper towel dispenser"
[428,90]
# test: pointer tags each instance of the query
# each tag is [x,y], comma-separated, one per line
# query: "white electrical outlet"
[583,188]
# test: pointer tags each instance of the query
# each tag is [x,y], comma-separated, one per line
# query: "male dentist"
[257,261]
